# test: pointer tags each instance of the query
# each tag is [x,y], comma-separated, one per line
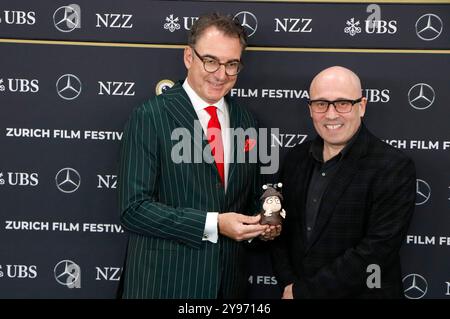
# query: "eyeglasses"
[211,65]
[341,106]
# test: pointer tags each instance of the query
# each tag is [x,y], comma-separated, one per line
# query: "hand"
[240,227]
[287,293]
[271,233]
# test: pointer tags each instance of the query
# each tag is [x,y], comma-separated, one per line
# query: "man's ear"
[362,107]
[187,57]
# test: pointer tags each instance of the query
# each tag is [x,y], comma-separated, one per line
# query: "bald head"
[335,77]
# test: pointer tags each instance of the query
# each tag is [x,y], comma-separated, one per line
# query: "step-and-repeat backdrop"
[70,74]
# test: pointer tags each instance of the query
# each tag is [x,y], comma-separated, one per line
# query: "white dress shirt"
[210,233]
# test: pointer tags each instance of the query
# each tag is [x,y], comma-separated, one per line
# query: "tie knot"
[212,111]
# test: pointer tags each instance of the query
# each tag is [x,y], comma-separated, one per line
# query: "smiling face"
[273,203]
[211,87]
[335,83]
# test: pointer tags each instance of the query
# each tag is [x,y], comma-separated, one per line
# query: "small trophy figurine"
[272,213]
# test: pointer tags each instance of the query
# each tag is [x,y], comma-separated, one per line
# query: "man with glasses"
[187,220]
[349,198]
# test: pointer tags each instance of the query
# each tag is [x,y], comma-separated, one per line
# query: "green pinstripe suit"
[163,205]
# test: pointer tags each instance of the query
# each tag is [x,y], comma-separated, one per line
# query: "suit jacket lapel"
[302,191]
[339,184]
[180,108]
[241,157]
[235,120]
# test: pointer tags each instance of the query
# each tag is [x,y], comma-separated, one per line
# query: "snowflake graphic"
[352,28]
[2,87]
[171,23]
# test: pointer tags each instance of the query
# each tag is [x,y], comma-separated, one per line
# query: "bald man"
[349,198]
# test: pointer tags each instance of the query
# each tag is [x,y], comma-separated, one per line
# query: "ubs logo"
[19,17]
[19,85]
[19,179]
[19,271]
[172,24]
[352,27]
[370,27]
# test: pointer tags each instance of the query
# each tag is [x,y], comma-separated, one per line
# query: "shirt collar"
[198,102]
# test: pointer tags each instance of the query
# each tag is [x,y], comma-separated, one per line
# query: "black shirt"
[323,173]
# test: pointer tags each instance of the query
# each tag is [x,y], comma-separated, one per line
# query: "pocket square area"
[249,144]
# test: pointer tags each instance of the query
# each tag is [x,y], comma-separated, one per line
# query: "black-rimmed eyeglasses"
[211,65]
[341,105]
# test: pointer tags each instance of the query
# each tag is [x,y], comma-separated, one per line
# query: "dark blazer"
[163,205]
[363,220]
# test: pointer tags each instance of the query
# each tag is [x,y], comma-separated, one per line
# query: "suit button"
[219,185]
[308,228]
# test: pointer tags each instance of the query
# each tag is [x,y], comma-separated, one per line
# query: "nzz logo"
[108,273]
[116,88]
[293,25]
[107,181]
[114,20]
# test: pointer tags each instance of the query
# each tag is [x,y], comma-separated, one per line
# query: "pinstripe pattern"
[163,205]
[363,219]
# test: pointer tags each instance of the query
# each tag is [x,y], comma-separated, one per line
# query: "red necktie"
[214,135]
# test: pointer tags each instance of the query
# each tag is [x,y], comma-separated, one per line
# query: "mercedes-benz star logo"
[67,273]
[429,27]
[66,18]
[421,96]
[248,21]
[415,286]
[423,192]
[68,86]
[67,180]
